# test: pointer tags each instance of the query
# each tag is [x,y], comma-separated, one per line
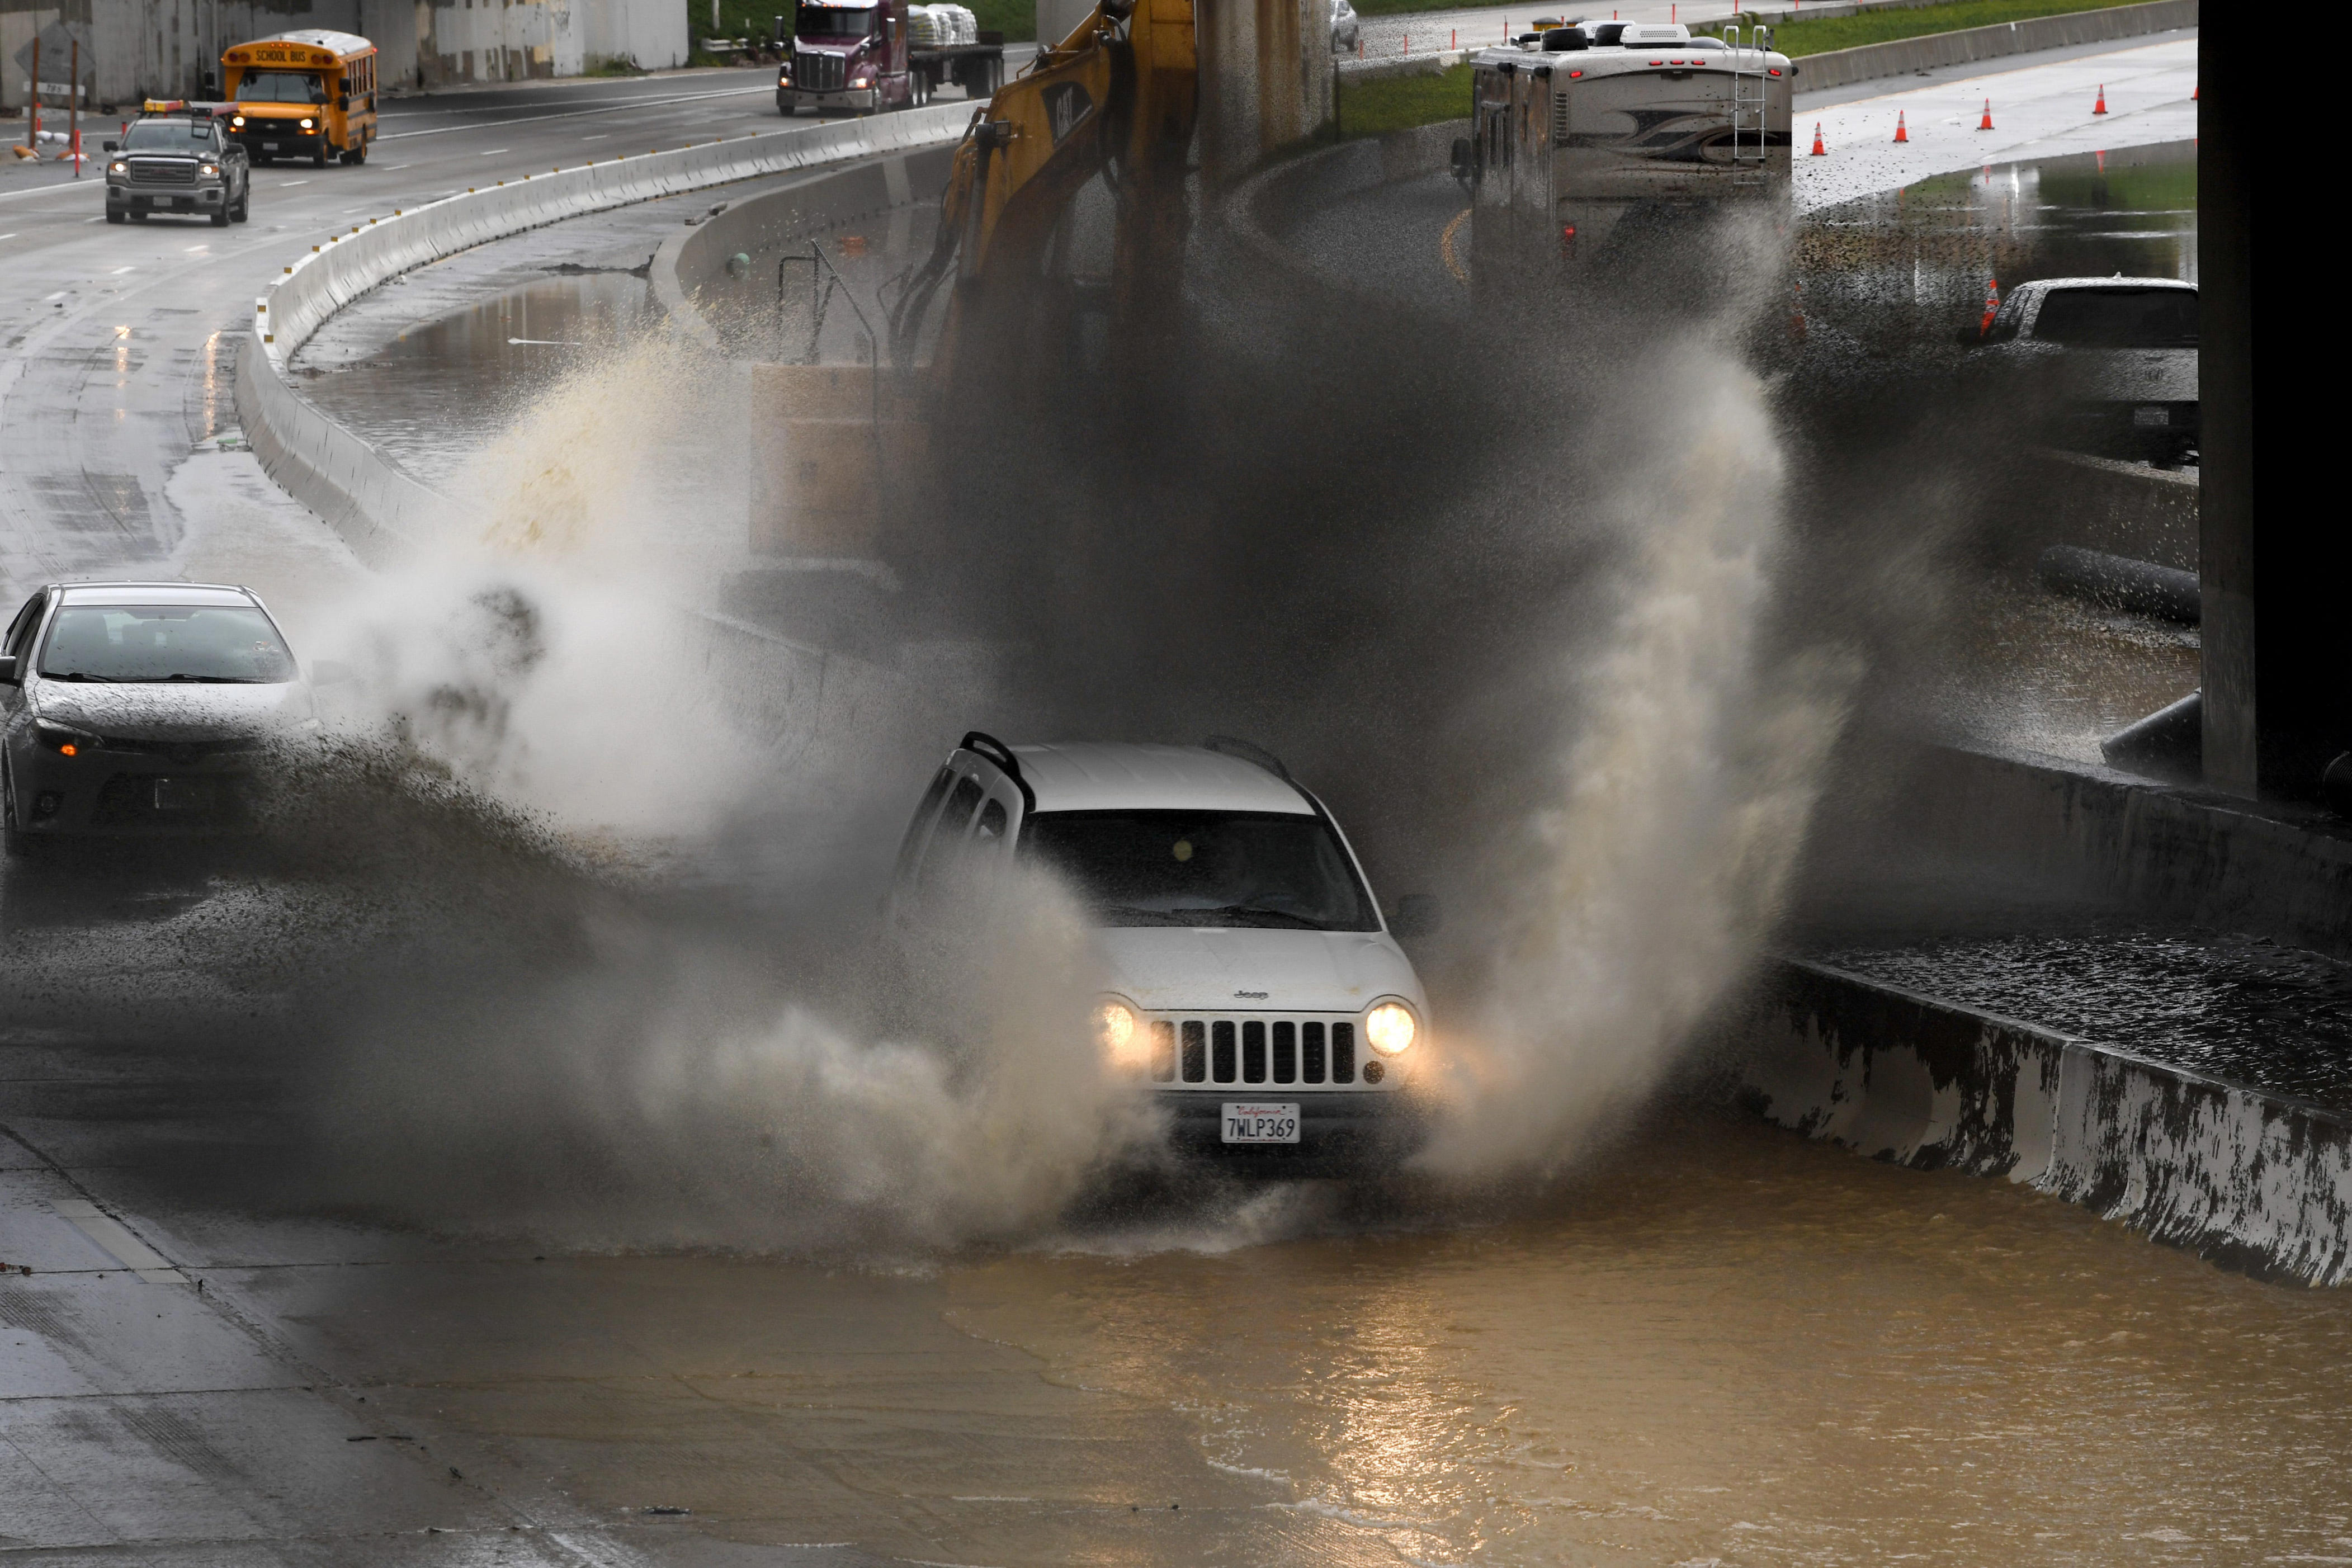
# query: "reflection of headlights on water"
[1118,1031]
[1391,1028]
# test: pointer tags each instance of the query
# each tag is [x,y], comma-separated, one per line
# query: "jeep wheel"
[319,158]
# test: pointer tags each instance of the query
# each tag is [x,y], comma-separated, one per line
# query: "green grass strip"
[1915,22]
[1402,102]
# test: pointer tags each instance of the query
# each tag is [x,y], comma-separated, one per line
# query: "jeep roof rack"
[994,750]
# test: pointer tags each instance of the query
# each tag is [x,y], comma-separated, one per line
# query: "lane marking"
[576,113]
[290,185]
[111,1237]
[493,152]
[8,236]
[599,136]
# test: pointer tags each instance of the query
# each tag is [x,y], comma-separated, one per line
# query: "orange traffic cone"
[1900,134]
[1992,305]
[2101,107]
[1986,124]
[1818,151]
[2193,93]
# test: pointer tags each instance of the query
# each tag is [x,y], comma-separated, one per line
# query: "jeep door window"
[21,629]
[281,87]
[2118,318]
[1266,870]
[202,644]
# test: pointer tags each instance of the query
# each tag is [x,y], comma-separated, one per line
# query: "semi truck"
[866,55]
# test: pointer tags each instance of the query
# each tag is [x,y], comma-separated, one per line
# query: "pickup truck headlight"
[1391,1028]
[208,170]
[63,739]
[117,167]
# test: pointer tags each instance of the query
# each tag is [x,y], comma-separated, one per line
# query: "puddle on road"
[443,390]
[1723,1344]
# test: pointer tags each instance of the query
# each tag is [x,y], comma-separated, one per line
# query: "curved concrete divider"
[379,510]
[2257,1181]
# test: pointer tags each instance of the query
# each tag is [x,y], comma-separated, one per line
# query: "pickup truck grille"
[162,171]
[820,73]
[1253,1050]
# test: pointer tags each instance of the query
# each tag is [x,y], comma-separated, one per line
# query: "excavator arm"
[1117,96]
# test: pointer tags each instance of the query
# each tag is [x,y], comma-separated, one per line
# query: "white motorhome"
[1254,987]
[1576,129]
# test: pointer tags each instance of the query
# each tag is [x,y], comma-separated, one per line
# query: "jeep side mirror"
[1416,916]
[8,670]
[328,672]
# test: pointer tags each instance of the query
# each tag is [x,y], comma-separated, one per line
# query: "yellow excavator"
[1117,98]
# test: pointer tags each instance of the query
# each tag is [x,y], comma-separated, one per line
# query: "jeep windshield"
[1272,870]
[202,644]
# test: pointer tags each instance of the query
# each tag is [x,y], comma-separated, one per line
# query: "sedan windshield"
[2119,318]
[1279,871]
[281,87]
[169,136]
[837,21]
[200,643]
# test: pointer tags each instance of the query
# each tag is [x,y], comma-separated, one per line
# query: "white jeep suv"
[1255,986]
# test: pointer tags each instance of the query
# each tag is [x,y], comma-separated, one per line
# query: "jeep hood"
[1166,968]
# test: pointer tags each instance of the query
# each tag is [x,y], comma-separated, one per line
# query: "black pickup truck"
[178,159]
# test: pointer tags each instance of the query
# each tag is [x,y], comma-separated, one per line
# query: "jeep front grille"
[1253,1050]
[820,73]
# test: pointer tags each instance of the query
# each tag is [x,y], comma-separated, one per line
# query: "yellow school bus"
[304,94]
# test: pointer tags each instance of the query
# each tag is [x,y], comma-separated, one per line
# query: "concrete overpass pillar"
[1265,79]
[2276,681]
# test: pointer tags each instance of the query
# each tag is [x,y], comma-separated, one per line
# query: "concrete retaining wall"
[340,476]
[2255,1181]
[2270,866]
[1838,68]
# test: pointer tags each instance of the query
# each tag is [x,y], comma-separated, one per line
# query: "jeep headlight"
[63,739]
[1391,1028]
[1118,1031]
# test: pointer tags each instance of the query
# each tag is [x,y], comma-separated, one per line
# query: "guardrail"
[379,510]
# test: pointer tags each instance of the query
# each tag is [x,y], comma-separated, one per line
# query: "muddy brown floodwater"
[1720,1345]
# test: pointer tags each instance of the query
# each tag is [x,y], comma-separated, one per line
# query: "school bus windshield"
[281,87]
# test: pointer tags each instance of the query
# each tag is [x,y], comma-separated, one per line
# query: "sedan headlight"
[1391,1028]
[1118,1031]
[305,125]
[63,739]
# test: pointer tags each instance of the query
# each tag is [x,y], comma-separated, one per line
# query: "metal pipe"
[2120,582]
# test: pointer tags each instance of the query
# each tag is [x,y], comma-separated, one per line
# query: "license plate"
[185,795]
[269,146]
[1261,1123]
[2152,418]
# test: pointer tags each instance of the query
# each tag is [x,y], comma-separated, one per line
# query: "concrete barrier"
[1841,67]
[379,510]
[2256,1181]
